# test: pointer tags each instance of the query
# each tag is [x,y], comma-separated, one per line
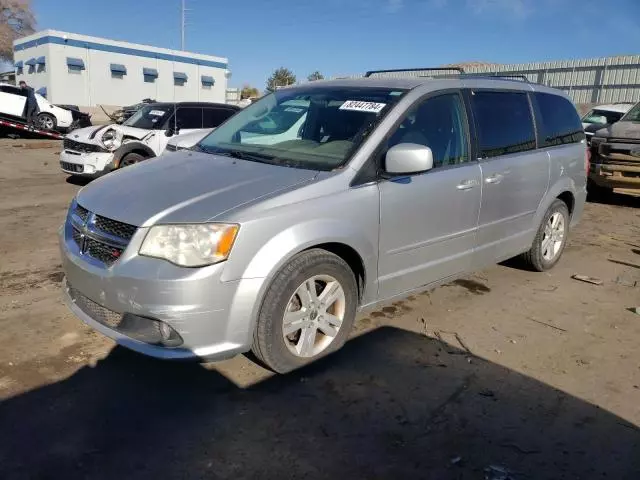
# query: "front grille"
[72,167]
[171,148]
[100,238]
[69,144]
[100,251]
[624,140]
[112,227]
[97,312]
[82,212]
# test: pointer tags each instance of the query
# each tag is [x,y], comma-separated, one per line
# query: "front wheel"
[308,311]
[46,121]
[551,238]
[131,159]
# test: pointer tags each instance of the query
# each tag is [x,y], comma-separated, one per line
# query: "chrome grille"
[97,237]
[71,167]
[112,227]
[82,212]
[69,144]
[97,312]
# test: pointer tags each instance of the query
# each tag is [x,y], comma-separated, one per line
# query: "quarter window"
[504,123]
[558,121]
[437,123]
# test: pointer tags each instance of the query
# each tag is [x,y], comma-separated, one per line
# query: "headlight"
[110,140]
[190,245]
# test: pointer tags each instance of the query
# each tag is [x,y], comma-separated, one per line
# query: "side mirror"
[169,132]
[408,158]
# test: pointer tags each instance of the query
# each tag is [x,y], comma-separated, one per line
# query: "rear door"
[515,175]
[12,101]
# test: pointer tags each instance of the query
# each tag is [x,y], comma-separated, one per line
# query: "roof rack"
[400,70]
[461,73]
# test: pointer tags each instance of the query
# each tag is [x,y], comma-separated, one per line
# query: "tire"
[320,269]
[130,159]
[543,256]
[46,121]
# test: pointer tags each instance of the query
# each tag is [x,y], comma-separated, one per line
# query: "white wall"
[95,85]
[36,78]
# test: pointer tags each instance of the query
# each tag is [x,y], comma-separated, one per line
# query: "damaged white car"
[94,151]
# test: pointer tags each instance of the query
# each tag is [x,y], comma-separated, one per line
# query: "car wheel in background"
[46,121]
[551,238]
[307,312]
[131,159]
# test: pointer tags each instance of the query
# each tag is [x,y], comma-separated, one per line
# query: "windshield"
[633,115]
[316,128]
[602,117]
[151,117]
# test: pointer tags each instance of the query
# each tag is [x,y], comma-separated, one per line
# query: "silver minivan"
[390,186]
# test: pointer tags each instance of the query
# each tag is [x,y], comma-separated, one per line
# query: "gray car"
[390,186]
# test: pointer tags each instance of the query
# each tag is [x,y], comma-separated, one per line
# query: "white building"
[87,71]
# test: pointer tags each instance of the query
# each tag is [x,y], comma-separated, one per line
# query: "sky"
[341,37]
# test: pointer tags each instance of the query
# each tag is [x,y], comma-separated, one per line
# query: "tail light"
[587,160]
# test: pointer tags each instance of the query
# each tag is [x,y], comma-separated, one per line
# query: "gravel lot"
[537,374]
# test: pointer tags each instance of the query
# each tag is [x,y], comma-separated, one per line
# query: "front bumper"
[214,319]
[89,165]
[611,175]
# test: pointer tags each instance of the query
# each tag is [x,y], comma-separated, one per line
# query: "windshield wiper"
[249,156]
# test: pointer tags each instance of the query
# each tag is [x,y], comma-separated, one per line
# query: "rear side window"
[504,123]
[558,120]
[189,117]
[214,117]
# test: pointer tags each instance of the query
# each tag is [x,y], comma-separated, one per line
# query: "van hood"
[93,135]
[622,129]
[184,187]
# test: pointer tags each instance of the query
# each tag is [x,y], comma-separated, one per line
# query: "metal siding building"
[597,80]
[88,71]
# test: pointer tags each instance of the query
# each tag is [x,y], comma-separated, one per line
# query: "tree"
[249,92]
[16,20]
[315,76]
[280,78]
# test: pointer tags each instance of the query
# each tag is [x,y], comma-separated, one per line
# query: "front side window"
[601,117]
[504,123]
[559,123]
[151,117]
[440,124]
[632,115]
[315,128]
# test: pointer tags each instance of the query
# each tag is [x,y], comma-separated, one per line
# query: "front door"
[428,221]
[515,176]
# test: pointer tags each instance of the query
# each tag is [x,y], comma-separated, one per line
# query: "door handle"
[497,178]
[466,185]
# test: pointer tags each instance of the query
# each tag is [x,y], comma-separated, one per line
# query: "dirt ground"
[537,375]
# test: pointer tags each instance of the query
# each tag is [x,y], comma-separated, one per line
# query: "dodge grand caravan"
[390,186]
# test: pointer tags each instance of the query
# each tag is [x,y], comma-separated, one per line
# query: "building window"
[41,64]
[118,70]
[179,79]
[207,82]
[75,65]
[150,75]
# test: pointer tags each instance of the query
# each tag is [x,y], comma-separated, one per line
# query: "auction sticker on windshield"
[357,106]
[157,113]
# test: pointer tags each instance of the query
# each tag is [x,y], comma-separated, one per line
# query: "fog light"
[149,330]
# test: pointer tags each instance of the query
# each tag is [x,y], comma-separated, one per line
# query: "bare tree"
[16,20]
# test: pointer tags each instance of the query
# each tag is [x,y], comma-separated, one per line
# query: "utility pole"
[182,23]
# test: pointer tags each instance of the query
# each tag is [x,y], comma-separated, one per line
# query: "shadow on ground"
[78,181]
[391,404]
[616,199]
